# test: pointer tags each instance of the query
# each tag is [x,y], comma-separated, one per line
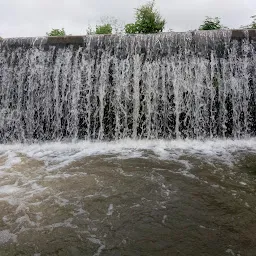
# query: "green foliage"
[148,20]
[253,24]
[57,32]
[211,24]
[103,29]
[117,26]
[106,25]
[131,28]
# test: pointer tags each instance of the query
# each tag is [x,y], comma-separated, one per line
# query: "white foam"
[8,189]
[97,241]
[164,219]
[187,174]
[230,252]
[59,154]
[11,160]
[110,210]
[6,236]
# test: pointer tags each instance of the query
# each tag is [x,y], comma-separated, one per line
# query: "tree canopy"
[211,24]
[56,32]
[106,25]
[103,29]
[147,20]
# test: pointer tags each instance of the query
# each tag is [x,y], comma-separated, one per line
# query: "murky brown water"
[138,205]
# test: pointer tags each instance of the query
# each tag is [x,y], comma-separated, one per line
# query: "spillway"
[196,85]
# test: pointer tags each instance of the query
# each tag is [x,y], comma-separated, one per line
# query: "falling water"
[170,85]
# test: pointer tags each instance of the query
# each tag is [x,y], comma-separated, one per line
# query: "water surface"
[128,198]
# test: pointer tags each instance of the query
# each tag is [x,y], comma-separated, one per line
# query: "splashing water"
[164,86]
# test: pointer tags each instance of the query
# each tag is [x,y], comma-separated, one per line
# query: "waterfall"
[163,86]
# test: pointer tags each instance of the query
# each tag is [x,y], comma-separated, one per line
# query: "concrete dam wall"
[198,85]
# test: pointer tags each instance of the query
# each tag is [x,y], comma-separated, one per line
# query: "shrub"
[148,20]
[57,32]
[103,29]
[211,24]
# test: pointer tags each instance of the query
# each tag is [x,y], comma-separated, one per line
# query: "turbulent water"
[170,85]
[128,198]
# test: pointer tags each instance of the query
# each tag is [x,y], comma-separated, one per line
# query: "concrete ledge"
[213,36]
[244,34]
[65,40]
[236,34]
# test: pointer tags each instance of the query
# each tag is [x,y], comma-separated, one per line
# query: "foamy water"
[59,154]
[90,190]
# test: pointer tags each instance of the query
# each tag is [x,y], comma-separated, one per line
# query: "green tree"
[147,20]
[117,26]
[103,29]
[131,28]
[252,25]
[57,32]
[211,24]
[106,25]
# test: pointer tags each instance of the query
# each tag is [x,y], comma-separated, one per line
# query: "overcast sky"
[36,17]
